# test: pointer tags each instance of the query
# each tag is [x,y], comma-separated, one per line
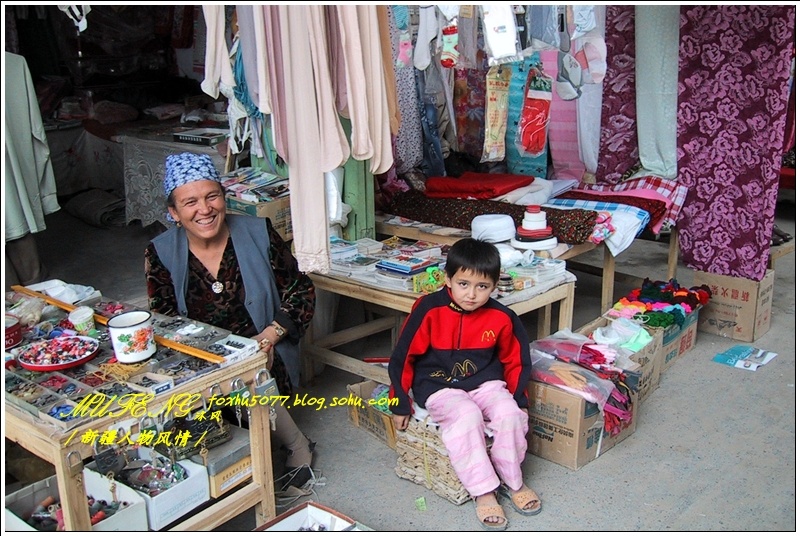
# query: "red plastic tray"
[87,346]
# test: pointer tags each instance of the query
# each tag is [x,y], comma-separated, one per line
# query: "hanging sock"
[568,80]
[592,58]
[500,31]
[584,20]
[450,45]
[427,30]
[535,116]
[404,38]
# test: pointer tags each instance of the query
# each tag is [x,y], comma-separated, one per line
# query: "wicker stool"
[422,458]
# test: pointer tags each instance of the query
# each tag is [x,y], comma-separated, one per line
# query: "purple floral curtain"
[619,150]
[732,102]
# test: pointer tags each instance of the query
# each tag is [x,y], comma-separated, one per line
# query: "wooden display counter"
[319,349]
[607,272]
[67,453]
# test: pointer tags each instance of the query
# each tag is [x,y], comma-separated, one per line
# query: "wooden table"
[607,272]
[776,252]
[50,444]
[319,349]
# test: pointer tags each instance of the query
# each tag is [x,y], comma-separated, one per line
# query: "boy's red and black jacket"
[441,345]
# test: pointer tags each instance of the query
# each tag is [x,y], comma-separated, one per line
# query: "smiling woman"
[234,272]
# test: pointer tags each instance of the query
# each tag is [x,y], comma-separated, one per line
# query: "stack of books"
[542,270]
[368,246]
[255,186]
[422,248]
[342,249]
[407,264]
[357,264]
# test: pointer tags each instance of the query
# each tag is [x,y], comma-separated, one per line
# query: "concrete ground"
[714,447]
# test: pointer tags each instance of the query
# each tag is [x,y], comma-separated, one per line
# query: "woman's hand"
[265,345]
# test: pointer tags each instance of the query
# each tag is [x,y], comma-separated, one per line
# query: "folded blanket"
[569,226]
[657,209]
[535,193]
[473,185]
[98,208]
[669,189]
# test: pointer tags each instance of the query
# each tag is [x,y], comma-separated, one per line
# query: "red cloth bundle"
[475,185]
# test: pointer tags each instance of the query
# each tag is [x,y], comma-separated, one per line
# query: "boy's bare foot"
[490,513]
[524,500]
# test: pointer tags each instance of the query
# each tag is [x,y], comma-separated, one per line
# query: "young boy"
[467,358]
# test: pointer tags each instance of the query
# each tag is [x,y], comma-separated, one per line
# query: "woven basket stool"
[422,458]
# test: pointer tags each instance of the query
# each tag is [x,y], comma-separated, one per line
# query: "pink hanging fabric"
[735,63]
[562,135]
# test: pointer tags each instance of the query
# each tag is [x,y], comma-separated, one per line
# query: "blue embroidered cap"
[184,168]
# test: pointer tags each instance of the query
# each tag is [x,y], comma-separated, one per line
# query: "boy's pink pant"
[461,415]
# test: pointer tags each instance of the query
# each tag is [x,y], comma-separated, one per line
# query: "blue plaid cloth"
[642,215]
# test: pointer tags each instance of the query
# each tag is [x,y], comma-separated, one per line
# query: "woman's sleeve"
[160,290]
[297,293]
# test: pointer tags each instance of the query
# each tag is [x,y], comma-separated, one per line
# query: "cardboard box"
[172,504]
[677,340]
[278,211]
[229,464]
[739,308]
[648,358]
[370,419]
[311,516]
[232,476]
[20,504]
[566,429]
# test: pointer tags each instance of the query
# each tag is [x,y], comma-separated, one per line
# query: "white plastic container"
[82,319]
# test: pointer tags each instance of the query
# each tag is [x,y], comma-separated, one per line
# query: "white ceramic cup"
[132,336]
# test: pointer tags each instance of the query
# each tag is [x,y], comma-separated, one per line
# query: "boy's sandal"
[522,498]
[494,510]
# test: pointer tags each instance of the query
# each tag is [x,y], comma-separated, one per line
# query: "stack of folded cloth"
[534,233]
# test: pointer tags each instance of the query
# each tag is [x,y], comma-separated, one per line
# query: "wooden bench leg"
[543,321]
[672,258]
[607,292]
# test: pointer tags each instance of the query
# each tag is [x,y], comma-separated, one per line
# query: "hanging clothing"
[357,107]
[30,184]
[408,143]
[274,50]
[731,169]
[562,136]
[333,146]
[591,53]
[306,177]
[387,58]
[376,89]
[218,70]
[432,159]
[247,50]
[657,34]
[618,144]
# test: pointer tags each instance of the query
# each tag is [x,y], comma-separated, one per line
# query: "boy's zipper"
[460,329]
